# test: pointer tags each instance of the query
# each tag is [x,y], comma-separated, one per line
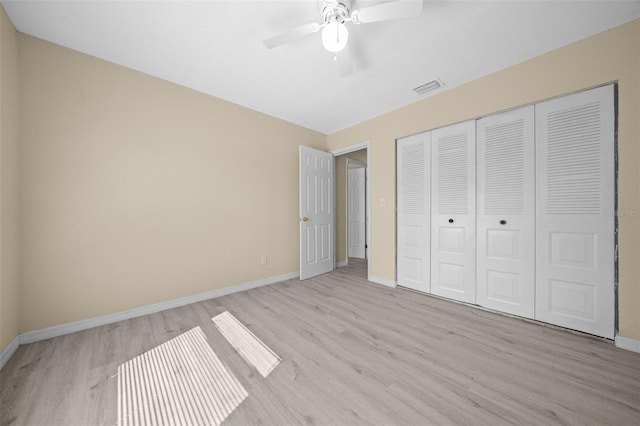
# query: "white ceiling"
[216,47]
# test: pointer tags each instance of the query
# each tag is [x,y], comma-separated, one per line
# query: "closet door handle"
[503,222]
[450,220]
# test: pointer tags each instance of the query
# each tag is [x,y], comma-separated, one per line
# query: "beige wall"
[341,201]
[9,237]
[137,191]
[610,56]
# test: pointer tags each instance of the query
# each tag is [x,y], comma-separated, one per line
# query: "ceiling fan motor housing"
[336,10]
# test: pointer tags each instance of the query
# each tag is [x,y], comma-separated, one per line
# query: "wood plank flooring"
[352,353]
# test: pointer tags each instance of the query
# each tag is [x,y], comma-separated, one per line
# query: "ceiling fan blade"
[292,34]
[345,64]
[398,9]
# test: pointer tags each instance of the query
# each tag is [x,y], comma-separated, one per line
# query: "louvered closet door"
[575,211]
[506,212]
[413,211]
[453,212]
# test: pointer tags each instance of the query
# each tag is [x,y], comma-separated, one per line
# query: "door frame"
[360,165]
[346,150]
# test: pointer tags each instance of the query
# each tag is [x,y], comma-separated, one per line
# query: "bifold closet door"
[413,211]
[453,272]
[575,214]
[506,212]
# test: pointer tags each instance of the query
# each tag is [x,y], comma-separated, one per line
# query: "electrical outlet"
[263,260]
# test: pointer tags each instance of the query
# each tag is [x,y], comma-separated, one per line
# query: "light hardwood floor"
[352,353]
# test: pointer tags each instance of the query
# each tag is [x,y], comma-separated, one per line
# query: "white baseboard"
[8,352]
[627,343]
[341,264]
[383,281]
[72,327]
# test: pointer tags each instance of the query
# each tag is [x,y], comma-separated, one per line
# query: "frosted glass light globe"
[335,36]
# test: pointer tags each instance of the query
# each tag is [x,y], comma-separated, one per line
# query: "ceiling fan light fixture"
[335,36]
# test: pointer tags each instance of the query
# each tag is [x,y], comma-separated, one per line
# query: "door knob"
[305,219]
[450,220]
[503,222]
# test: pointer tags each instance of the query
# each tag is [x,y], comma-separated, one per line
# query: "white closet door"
[453,257]
[506,212]
[575,211]
[413,211]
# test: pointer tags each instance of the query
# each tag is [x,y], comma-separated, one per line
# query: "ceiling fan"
[335,34]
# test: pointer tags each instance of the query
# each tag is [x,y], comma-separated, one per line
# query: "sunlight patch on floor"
[250,347]
[180,382]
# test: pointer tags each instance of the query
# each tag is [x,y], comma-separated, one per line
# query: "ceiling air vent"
[427,87]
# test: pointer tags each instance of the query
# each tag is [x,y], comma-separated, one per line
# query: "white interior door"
[453,218]
[506,212]
[413,194]
[356,212]
[316,212]
[575,264]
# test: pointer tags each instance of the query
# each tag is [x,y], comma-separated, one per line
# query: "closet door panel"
[575,264]
[506,212]
[413,192]
[453,212]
